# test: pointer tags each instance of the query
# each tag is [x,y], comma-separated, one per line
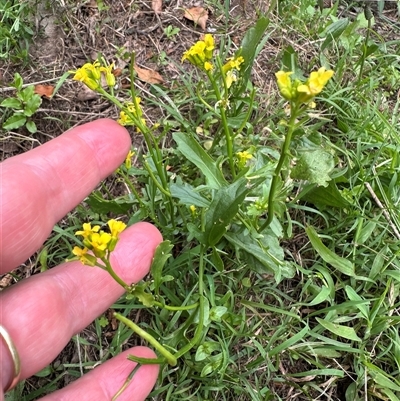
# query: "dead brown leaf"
[198,15]
[156,6]
[149,76]
[44,90]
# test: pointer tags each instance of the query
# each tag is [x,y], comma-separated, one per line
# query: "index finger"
[39,187]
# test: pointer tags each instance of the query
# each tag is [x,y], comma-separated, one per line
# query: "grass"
[307,308]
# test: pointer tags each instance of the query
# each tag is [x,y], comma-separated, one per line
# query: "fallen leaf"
[117,72]
[149,76]
[198,15]
[44,90]
[156,6]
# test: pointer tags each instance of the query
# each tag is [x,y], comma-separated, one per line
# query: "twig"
[384,211]
[12,88]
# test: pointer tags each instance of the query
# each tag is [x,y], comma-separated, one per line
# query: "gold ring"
[14,356]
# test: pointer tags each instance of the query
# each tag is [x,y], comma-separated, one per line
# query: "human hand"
[43,312]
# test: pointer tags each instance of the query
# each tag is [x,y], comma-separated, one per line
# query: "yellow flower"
[98,243]
[243,157]
[116,227]
[83,256]
[110,77]
[230,78]
[89,74]
[233,63]
[285,84]
[88,230]
[201,53]
[133,113]
[192,208]
[128,159]
[316,83]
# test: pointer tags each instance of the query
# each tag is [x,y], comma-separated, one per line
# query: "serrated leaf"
[103,206]
[314,166]
[15,121]
[195,154]
[18,81]
[32,104]
[339,330]
[341,264]
[11,103]
[161,255]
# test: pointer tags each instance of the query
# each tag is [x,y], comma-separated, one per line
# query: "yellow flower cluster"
[132,114]
[201,53]
[97,241]
[90,75]
[303,92]
[243,157]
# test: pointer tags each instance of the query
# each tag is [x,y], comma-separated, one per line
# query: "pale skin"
[43,312]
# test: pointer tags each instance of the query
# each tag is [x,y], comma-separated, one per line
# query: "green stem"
[153,177]
[284,153]
[172,360]
[114,275]
[176,308]
[224,120]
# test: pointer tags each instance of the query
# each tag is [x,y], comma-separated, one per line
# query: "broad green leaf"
[326,196]
[161,255]
[339,330]
[191,149]
[223,208]
[18,81]
[334,31]
[250,49]
[319,372]
[103,206]
[339,263]
[11,103]
[27,93]
[188,195]
[206,349]
[31,127]
[264,255]
[314,166]
[32,104]
[15,121]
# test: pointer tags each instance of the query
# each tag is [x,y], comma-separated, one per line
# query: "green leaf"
[100,205]
[326,196]
[249,49]
[206,349]
[144,297]
[32,104]
[289,342]
[11,103]
[18,81]
[322,296]
[161,255]
[27,93]
[103,321]
[264,254]
[334,31]
[15,121]
[188,195]
[289,59]
[339,263]
[191,149]
[217,312]
[31,127]
[384,381]
[223,208]
[314,166]
[339,330]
